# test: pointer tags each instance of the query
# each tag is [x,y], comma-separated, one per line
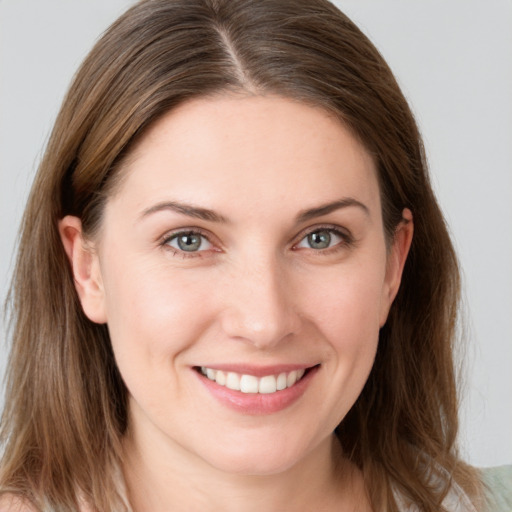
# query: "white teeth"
[291,379]
[251,384]
[220,378]
[268,384]
[281,381]
[248,384]
[233,381]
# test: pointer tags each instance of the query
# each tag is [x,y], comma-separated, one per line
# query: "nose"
[259,306]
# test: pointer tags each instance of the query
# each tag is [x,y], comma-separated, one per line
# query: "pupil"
[189,242]
[320,239]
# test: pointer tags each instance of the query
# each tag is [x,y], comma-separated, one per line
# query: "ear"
[396,261]
[85,267]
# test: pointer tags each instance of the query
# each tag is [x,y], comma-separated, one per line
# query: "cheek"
[153,317]
[346,310]
[346,303]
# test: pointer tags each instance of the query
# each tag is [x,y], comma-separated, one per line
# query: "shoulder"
[498,486]
[12,503]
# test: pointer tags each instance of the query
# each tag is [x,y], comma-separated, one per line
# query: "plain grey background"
[453,59]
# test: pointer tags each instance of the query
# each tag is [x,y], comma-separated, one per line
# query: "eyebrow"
[325,209]
[212,216]
[186,209]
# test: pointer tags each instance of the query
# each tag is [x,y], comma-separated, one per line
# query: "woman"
[245,293]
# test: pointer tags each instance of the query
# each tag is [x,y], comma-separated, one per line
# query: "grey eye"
[189,242]
[319,239]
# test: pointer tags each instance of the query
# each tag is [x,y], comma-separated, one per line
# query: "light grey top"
[498,482]
[498,491]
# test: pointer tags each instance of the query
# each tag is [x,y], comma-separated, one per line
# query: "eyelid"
[345,234]
[164,240]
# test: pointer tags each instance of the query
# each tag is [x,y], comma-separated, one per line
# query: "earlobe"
[85,268]
[396,261]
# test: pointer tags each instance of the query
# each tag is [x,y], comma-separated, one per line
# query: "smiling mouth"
[246,383]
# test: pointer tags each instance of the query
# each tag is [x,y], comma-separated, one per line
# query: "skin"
[256,292]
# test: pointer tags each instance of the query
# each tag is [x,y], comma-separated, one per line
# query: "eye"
[188,241]
[323,238]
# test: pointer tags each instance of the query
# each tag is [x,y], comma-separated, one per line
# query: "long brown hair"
[65,410]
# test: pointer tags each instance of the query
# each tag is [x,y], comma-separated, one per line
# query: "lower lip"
[258,403]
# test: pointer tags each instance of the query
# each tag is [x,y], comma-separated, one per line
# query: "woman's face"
[244,248]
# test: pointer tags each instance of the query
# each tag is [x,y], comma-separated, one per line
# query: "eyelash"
[166,239]
[347,241]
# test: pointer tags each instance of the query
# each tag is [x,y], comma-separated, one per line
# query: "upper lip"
[258,371]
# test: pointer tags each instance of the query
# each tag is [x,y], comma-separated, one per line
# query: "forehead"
[232,152]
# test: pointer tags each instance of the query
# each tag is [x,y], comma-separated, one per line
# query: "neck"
[169,477]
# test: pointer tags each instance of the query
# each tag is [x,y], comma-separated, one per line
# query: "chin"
[257,458]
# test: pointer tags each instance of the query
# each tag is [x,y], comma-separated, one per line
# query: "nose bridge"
[260,308]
